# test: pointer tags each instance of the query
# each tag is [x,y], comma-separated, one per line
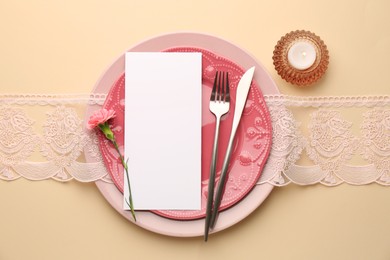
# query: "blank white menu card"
[163,122]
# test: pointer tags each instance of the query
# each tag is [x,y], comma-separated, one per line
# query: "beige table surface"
[64,46]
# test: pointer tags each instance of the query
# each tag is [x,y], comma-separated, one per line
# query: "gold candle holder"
[292,73]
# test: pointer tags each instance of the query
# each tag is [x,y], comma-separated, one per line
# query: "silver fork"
[219,105]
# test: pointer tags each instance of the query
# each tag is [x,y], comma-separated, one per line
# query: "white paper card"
[163,122]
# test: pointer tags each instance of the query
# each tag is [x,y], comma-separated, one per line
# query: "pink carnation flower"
[100,117]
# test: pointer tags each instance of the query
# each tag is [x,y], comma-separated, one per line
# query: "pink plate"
[252,140]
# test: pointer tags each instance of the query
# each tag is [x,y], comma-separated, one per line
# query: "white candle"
[302,55]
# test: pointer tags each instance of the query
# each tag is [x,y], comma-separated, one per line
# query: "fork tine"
[227,93]
[213,92]
[223,86]
[220,86]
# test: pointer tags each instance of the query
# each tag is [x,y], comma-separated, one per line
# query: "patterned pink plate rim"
[251,147]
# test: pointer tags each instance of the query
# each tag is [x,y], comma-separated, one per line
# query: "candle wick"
[304,54]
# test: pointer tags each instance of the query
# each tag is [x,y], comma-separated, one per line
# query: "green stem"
[130,203]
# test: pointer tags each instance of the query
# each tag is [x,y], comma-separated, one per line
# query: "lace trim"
[328,101]
[326,140]
[52,99]
[57,149]
[347,140]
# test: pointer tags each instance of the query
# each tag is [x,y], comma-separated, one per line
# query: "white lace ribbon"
[49,147]
[326,140]
[343,139]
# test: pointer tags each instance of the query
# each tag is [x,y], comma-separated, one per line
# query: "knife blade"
[241,97]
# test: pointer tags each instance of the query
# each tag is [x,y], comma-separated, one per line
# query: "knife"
[241,96]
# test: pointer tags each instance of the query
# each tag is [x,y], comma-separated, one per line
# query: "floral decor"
[100,120]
